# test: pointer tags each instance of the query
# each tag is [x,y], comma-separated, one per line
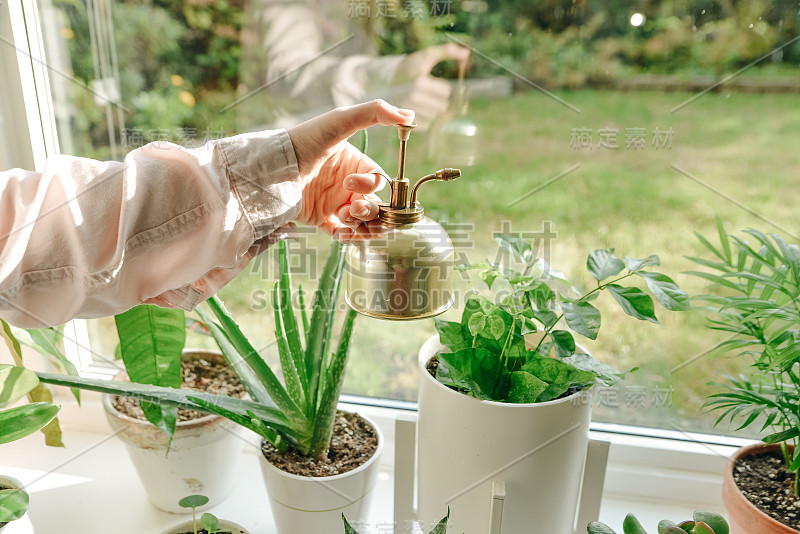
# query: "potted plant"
[701,523]
[294,418]
[174,451]
[754,297]
[505,394]
[209,523]
[16,423]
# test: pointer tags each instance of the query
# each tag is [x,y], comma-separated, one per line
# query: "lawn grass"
[743,145]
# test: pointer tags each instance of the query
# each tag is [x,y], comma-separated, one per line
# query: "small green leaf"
[634,302]
[13,503]
[666,291]
[520,247]
[525,388]
[476,324]
[193,501]
[596,527]
[489,276]
[209,522]
[603,264]
[631,525]
[663,524]
[635,264]
[582,317]
[713,520]
[702,528]
[605,373]
[496,326]
[563,342]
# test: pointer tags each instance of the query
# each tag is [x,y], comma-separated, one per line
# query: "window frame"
[637,454]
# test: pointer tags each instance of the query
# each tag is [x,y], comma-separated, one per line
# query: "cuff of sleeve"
[263,172]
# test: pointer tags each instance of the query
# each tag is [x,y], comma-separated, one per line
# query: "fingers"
[364,184]
[343,122]
[358,211]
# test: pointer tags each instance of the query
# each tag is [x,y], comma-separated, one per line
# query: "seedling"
[207,521]
[701,523]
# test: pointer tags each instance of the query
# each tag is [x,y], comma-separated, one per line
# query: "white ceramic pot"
[203,457]
[23,524]
[188,526]
[519,465]
[305,505]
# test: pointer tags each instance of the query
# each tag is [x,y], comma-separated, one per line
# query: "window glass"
[580,125]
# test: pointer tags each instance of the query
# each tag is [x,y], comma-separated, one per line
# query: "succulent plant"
[701,523]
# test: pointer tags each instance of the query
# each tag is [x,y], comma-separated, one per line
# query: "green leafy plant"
[701,523]
[18,422]
[488,355]
[46,341]
[440,528]
[151,340]
[207,521]
[298,413]
[754,297]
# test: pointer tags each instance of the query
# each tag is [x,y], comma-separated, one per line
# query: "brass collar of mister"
[400,216]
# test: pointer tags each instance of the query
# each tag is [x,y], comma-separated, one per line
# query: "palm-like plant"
[756,300]
[297,413]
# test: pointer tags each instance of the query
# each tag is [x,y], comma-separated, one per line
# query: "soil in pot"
[763,479]
[199,374]
[353,442]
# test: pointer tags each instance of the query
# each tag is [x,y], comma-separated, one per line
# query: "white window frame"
[644,463]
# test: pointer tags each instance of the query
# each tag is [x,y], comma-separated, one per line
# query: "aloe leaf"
[172,397]
[323,423]
[324,308]
[16,423]
[248,420]
[287,315]
[246,375]
[302,301]
[258,365]
[289,360]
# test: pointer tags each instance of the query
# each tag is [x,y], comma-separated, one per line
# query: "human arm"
[171,226]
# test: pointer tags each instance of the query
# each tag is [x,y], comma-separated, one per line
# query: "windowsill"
[91,483]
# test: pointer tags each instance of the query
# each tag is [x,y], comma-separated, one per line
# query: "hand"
[338,180]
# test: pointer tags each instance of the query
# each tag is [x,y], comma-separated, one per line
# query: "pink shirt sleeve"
[167,226]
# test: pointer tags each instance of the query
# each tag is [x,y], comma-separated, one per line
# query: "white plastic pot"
[23,524]
[203,457]
[515,467]
[304,505]
[187,526]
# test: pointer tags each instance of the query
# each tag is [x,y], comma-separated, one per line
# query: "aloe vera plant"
[701,523]
[298,412]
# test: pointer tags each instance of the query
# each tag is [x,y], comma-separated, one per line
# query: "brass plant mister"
[401,265]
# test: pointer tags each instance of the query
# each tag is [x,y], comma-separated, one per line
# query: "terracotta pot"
[745,517]
[203,457]
[310,505]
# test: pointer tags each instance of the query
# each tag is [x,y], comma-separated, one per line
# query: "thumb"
[333,127]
